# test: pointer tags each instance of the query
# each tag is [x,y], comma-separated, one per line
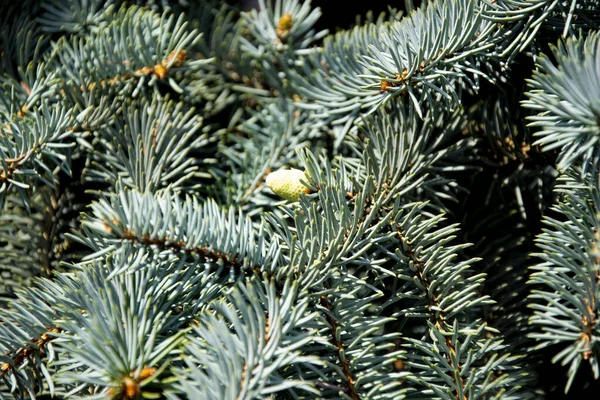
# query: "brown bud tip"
[160,71]
[285,24]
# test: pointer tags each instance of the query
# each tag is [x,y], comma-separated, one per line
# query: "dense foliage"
[201,200]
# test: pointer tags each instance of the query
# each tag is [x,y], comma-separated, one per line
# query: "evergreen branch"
[333,234]
[445,293]
[337,342]
[391,166]
[448,296]
[21,43]
[32,241]
[418,56]
[279,28]
[32,90]
[480,367]
[370,203]
[131,59]
[73,16]
[566,307]
[332,77]
[505,261]
[19,257]
[182,227]
[411,157]
[32,146]
[151,149]
[250,341]
[320,238]
[524,20]
[330,231]
[24,353]
[272,38]
[196,282]
[221,34]
[27,327]
[27,240]
[566,96]
[360,352]
[142,314]
[266,142]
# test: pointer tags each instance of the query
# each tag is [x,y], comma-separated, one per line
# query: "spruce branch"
[29,240]
[523,21]
[198,229]
[221,33]
[32,147]
[446,293]
[144,314]
[566,97]
[418,56]
[285,26]
[151,149]
[505,261]
[73,16]
[566,305]
[136,312]
[197,282]
[21,43]
[265,142]
[252,340]
[27,328]
[360,355]
[132,59]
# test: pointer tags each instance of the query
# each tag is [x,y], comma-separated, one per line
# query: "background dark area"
[342,14]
